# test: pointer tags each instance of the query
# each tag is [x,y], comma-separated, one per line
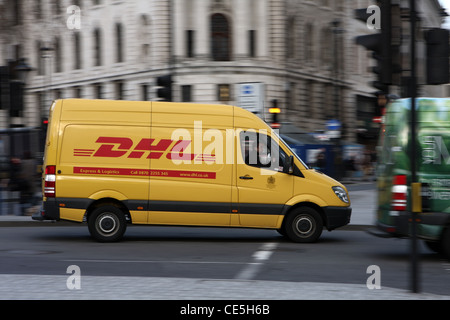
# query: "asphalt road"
[44,251]
[341,256]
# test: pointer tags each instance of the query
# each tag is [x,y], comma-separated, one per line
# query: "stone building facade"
[301,52]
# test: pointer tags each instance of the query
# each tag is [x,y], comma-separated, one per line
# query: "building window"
[144,92]
[17,14]
[119,90]
[190,43]
[252,43]
[220,38]
[308,43]
[119,43]
[77,49]
[98,91]
[77,92]
[326,42]
[38,9]
[290,45]
[186,93]
[97,47]
[58,55]
[223,92]
[56,7]
[39,59]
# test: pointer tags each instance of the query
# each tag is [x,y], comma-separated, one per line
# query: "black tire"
[435,246]
[282,231]
[303,224]
[107,224]
[445,242]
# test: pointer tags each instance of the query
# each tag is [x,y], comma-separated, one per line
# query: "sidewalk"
[162,288]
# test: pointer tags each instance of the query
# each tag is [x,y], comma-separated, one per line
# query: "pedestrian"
[321,161]
[27,177]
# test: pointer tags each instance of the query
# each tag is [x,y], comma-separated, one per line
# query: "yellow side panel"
[189,218]
[71,214]
[193,169]
[260,220]
[98,158]
[139,217]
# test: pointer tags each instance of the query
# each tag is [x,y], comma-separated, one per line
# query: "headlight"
[341,193]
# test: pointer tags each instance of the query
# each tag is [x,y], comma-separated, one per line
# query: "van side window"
[261,151]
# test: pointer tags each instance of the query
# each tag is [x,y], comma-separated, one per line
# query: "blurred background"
[294,63]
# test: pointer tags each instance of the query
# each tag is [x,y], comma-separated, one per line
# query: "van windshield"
[292,151]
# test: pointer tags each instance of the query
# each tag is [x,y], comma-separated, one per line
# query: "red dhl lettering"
[116,147]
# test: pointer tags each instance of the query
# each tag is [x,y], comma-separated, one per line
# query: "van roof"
[163,113]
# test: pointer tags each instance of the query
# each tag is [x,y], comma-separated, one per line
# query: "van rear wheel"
[304,224]
[445,242]
[107,223]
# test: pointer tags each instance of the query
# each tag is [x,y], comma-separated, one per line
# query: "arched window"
[220,38]
[97,47]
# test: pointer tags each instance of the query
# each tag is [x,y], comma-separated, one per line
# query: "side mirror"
[288,166]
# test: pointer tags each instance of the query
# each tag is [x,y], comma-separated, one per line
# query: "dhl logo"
[115,147]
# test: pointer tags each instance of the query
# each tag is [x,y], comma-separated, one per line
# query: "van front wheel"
[107,224]
[304,224]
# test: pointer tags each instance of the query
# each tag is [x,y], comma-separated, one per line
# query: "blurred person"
[27,176]
[14,182]
[321,161]
[22,178]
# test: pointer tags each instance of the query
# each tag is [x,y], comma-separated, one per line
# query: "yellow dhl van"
[113,163]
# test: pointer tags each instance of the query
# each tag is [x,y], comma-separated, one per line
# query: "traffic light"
[274,111]
[385,44]
[437,41]
[165,84]
[44,125]
[43,130]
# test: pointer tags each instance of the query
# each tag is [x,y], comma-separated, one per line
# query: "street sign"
[250,96]
[333,124]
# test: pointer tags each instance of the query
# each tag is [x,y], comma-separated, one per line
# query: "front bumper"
[336,217]
[50,211]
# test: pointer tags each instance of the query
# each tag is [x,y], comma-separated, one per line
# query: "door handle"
[246,177]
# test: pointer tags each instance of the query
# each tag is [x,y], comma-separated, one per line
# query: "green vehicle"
[433,171]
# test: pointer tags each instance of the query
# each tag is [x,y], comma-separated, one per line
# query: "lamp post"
[339,168]
[46,55]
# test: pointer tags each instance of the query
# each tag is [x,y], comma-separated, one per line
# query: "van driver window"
[261,151]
